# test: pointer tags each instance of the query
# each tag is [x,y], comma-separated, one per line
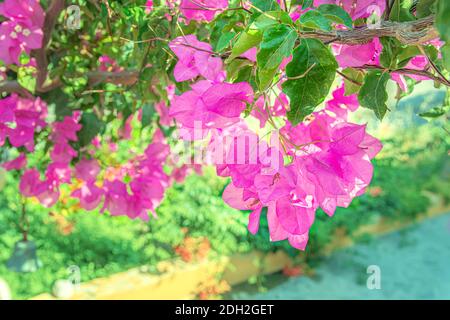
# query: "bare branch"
[411,32]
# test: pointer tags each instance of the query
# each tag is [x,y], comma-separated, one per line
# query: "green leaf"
[306,4]
[254,34]
[445,50]
[391,49]
[266,5]
[400,11]
[265,78]
[26,76]
[425,7]
[442,16]
[315,20]
[373,94]
[310,76]
[92,126]
[224,41]
[336,13]
[355,75]
[278,43]
[234,68]
[148,110]
[245,42]
[435,112]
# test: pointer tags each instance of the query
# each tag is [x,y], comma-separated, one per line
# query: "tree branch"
[411,32]
[14,87]
[407,71]
[51,16]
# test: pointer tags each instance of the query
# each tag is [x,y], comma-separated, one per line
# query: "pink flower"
[330,166]
[90,196]
[416,63]
[108,64]
[195,58]
[20,119]
[148,6]
[356,8]
[163,110]
[22,32]
[87,170]
[26,11]
[66,130]
[16,38]
[31,186]
[358,55]
[202,10]
[116,198]
[62,152]
[211,105]
[340,104]
[19,163]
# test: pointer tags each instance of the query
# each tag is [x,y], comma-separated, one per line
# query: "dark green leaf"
[336,14]
[148,111]
[400,11]
[373,94]
[445,50]
[91,126]
[425,7]
[266,5]
[310,76]
[435,112]
[442,19]
[355,75]
[315,20]
[277,44]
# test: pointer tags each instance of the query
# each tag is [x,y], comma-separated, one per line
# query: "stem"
[24,224]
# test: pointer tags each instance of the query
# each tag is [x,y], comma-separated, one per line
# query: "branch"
[407,71]
[125,78]
[14,87]
[51,16]
[118,78]
[411,32]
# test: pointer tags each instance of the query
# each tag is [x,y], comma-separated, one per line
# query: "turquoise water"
[414,264]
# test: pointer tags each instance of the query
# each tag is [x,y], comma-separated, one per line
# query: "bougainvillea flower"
[90,196]
[148,6]
[202,10]
[341,104]
[16,164]
[195,58]
[87,170]
[356,8]
[16,39]
[26,11]
[358,55]
[416,63]
[211,105]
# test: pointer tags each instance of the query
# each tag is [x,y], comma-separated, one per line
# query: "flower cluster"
[22,31]
[20,119]
[323,162]
[202,10]
[57,172]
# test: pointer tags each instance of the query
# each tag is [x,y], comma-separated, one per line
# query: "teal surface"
[414,264]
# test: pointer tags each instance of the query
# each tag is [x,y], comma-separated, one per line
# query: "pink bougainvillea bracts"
[22,31]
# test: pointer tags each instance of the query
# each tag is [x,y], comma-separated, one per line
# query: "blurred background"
[399,231]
